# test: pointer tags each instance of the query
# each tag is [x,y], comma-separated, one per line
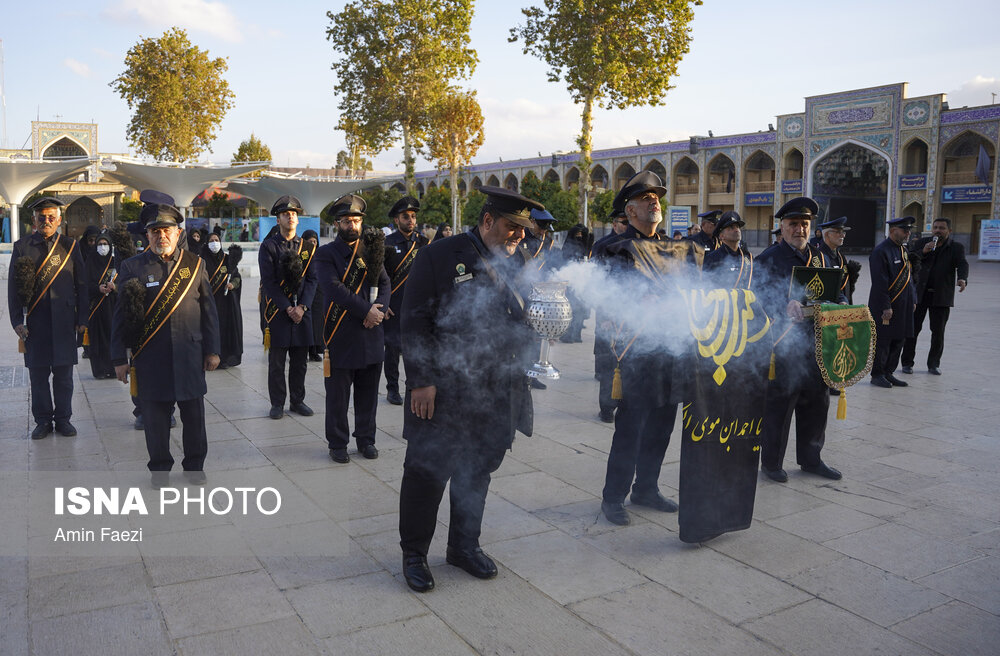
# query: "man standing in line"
[48,306]
[891,300]
[729,266]
[166,327]
[288,284]
[833,233]
[400,250]
[604,361]
[707,235]
[356,287]
[941,258]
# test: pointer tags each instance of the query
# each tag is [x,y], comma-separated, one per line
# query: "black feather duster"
[373,240]
[133,297]
[235,256]
[290,265]
[121,239]
[23,273]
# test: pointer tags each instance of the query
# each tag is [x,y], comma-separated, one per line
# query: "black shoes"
[776,475]
[195,477]
[608,416]
[417,574]
[301,409]
[41,431]
[393,397]
[824,470]
[934,371]
[537,384]
[138,425]
[340,455]
[369,451]
[65,428]
[277,412]
[473,561]
[880,381]
[907,369]
[159,479]
[173,421]
[315,357]
[656,501]
[834,392]
[895,382]
[615,513]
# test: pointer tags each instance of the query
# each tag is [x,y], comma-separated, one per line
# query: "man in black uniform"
[604,361]
[834,232]
[730,266]
[941,258]
[350,270]
[707,237]
[798,386]
[166,327]
[891,300]
[538,239]
[400,249]
[287,290]
[645,414]
[467,345]
[48,306]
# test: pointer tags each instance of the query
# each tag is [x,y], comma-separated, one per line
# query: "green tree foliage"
[178,96]
[435,206]
[379,201]
[609,54]
[396,58]
[455,136]
[474,202]
[252,150]
[129,210]
[562,204]
[354,157]
[600,206]
[349,163]
[219,205]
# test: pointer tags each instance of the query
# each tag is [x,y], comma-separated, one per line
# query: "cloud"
[213,18]
[79,68]
[974,92]
[101,52]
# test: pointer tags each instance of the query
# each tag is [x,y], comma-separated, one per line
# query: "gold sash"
[50,269]
[402,271]
[170,297]
[94,306]
[353,278]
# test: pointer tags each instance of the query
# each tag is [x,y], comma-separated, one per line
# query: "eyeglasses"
[43,218]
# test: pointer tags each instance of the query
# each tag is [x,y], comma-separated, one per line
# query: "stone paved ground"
[900,557]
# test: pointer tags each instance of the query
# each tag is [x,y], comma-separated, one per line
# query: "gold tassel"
[86,337]
[770,370]
[21,348]
[842,404]
[133,383]
[616,384]
[326,363]
[267,338]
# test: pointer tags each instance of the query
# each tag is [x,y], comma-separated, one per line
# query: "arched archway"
[400,187]
[793,165]
[476,183]
[916,210]
[915,157]
[623,174]
[721,175]
[654,166]
[852,180]
[572,177]
[420,188]
[551,176]
[961,156]
[432,185]
[462,188]
[685,178]
[493,181]
[510,182]
[759,172]
[79,214]
[959,166]
[758,178]
[65,146]
[598,178]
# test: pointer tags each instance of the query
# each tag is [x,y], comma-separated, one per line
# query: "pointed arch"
[420,188]
[572,177]
[960,157]
[510,182]
[462,187]
[493,181]
[623,174]
[685,177]
[476,183]
[64,146]
[915,157]
[400,187]
[432,185]
[916,210]
[551,176]
[599,178]
[793,163]
[655,166]
[759,173]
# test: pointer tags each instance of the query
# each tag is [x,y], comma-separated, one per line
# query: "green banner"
[845,343]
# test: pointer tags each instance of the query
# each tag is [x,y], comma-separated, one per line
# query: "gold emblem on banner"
[224,269]
[815,288]
[361,264]
[725,334]
[56,260]
[844,361]
[184,273]
[816,261]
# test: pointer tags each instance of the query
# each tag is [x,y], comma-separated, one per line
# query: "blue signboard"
[305,223]
[976,194]
[680,218]
[913,181]
[763,198]
[791,186]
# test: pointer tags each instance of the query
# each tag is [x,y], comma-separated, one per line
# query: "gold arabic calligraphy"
[725,334]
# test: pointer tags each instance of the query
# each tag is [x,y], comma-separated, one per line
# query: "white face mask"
[214,246]
[103,249]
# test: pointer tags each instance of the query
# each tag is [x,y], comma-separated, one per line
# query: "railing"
[686,188]
[964,177]
[720,188]
[759,185]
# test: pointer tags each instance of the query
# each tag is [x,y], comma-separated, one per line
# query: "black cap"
[640,183]
[803,207]
[729,218]
[905,222]
[310,234]
[286,204]
[45,202]
[404,204]
[776,232]
[543,218]
[712,216]
[156,197]
[839,224]
[510,205]
[349,205]
[161,216]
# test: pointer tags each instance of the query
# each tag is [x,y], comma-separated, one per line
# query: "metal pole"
[15,223]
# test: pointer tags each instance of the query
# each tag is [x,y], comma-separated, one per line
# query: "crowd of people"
[156,308]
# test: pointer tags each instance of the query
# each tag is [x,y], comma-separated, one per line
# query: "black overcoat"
[353,346]
[228,305]
[938,270]
[284,332]
[724,267]
[52,324]
[101,308]
[396,248]
[886,263]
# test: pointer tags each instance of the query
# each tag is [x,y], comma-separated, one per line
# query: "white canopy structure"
[21,178]
[313,193]
[182,181]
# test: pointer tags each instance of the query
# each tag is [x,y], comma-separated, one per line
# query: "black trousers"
[427,469]
[810,402]
[41,395]
[338,396]
[156,422]
[604,366]
[297,365]
[392,355]
[939,319]
[642,434]
[887,353]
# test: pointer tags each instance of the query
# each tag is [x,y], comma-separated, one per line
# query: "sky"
[748,62]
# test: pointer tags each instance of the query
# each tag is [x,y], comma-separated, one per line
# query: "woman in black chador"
[100,268]
[224,277]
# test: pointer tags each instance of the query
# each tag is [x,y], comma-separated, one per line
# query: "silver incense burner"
[550,314]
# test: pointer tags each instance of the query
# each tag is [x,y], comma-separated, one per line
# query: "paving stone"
[503,520]
[346,492]
[224,602]
[692,630]
[288,637]
[537,490]
[198,554]
[774,500]
[580,518]
[955,629]
[977,583]
[118,631]
[944,523]
[825,523]
[92,589]
[14,623]
[425,634]
[817,628]
[773,551]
